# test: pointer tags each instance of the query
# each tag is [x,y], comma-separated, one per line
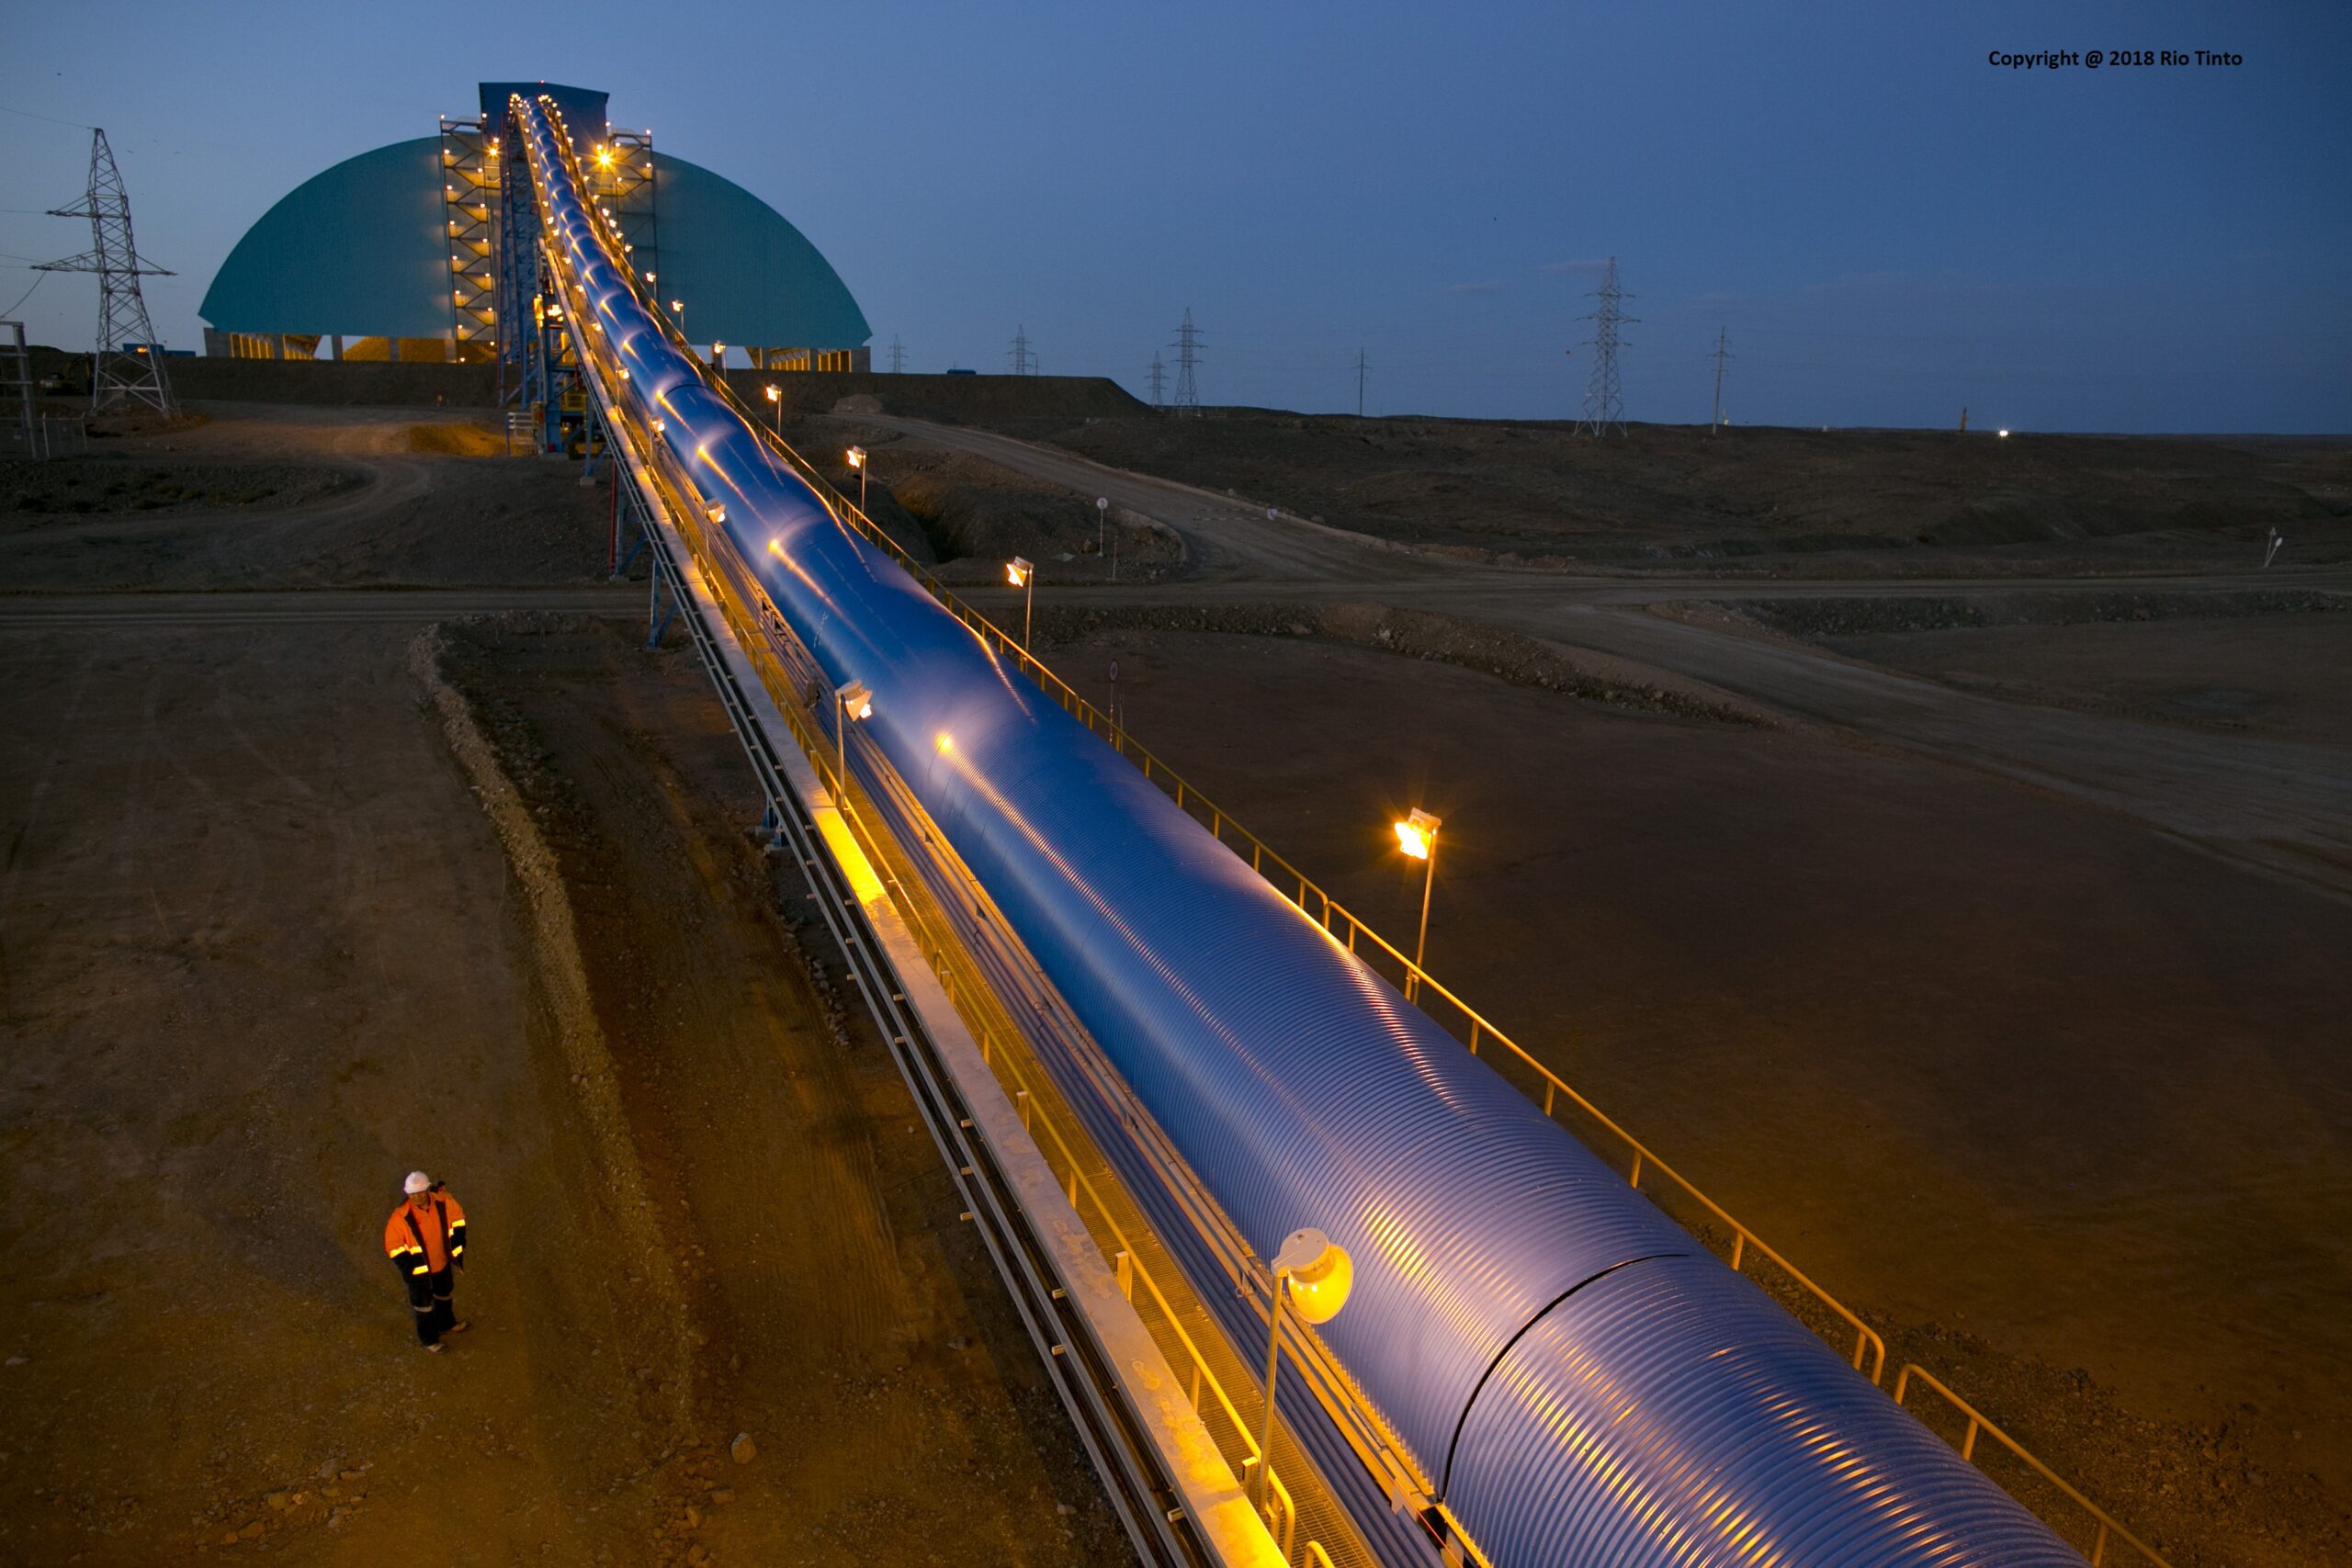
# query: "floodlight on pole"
[1416,835]
[1023,575]
[1315,1273]
[1102,523]
[853,699]
[857,461]
[775,405]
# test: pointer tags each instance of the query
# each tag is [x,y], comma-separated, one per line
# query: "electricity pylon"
[116,375]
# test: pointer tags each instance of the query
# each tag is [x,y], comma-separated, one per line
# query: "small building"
[398,253]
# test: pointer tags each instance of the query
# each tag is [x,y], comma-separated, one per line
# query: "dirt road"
[2278,802]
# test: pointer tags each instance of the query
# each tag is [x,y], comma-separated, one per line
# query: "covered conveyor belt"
[1549,1369]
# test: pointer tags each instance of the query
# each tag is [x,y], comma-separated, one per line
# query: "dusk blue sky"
[1888,227]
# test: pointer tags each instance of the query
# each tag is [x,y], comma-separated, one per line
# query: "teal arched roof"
[355,250]
[360,250]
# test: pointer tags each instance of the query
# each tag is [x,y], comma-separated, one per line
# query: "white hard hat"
[417,1182]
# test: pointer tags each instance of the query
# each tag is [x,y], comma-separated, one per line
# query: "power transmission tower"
[116,375]
[1363,365]
[1604,401]
[1159,380]
[898,358]
[1188,354]
[1723,351]
[1024,362]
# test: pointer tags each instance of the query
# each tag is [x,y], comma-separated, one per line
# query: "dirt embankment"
[1823,619]
[957,400]
[1879,501]
[971,515]
[81,486]
[1520,660]
[828,1304]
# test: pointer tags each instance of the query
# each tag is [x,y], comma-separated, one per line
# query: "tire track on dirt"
[563,981]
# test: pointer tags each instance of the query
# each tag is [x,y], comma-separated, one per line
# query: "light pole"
[850,701]
[1024,576]
[776,407]
[1416,835]
[1102,523]
[718,358]
[857,461]
[678,309]
[1318,1273]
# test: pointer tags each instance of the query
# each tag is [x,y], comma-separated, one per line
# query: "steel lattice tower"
[898,358]
[1604,401]
[1159,380]
[1187,354]
[116,375]
[1025,361]
[1723,351]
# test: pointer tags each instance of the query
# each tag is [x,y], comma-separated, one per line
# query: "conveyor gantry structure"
[1536,1365]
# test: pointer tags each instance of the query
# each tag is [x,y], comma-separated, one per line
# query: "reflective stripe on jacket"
[424,1238]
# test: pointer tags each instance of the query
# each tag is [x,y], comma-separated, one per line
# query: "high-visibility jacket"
[426,1238]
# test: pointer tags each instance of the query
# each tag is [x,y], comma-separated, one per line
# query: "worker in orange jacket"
[427,1240]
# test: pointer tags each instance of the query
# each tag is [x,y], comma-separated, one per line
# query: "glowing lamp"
[856,456]
[716,512]
[1416,835]
[775,394]
[1320,1271]
[1017,571]
[858,700]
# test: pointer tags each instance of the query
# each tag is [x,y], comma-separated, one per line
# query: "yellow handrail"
[1978,1422]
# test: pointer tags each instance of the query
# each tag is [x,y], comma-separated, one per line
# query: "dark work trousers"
[429,1298]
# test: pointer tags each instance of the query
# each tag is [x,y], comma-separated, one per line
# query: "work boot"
[457,1327]
[434,1349]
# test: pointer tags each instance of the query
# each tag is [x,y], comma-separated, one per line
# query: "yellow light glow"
[1413,840]
[775,547]
[947,743]
[1320,1273]
[775,396]
[850,859]
[1015,575]
[1319,1297]
[856,456]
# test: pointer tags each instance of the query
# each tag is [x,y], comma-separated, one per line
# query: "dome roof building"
[398,252]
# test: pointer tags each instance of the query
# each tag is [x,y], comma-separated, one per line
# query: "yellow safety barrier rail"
[2106,1528]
